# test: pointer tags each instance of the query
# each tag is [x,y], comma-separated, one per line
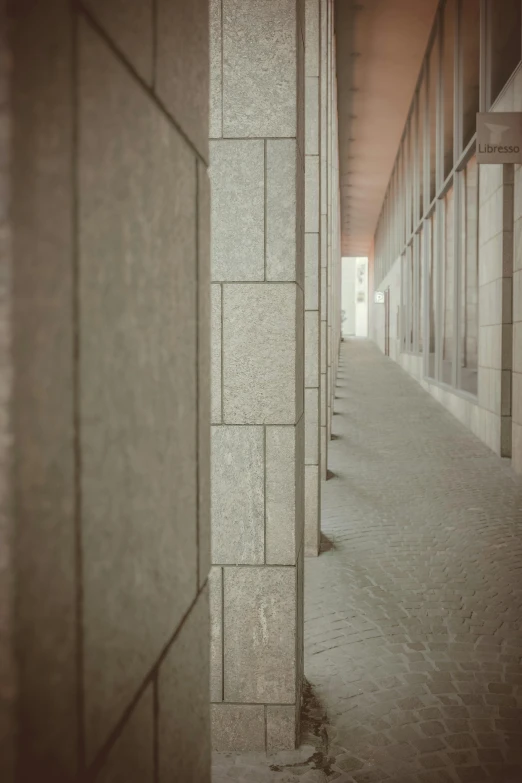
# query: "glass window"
[422,123]
[432,295]
[448,286]
[469,30]
[432,98]
[468,305]
[411,296]
[448,61]
[504,22]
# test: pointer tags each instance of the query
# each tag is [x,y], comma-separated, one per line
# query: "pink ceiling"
[380,46]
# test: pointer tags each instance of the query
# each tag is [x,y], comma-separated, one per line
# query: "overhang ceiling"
[380,46]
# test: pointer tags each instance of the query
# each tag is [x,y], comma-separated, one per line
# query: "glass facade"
[430,216]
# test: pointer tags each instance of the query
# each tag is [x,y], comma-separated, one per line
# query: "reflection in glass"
[468,305]
[504,21]
[469,31]
[449,266]
[448,61]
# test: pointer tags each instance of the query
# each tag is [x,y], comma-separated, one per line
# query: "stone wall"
[111,415]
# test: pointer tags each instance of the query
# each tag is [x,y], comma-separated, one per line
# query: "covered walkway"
[413,638]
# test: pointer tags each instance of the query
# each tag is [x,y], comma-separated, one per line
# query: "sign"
[378,297]
[499,137]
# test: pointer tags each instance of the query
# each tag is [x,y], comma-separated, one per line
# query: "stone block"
[312,272]
[312,118]
[280,495]
[312,37]
[312,417]
[131,758]
[238,478]
[215,586]
[259,353]
[183,704]
[216,333]
[238,727]
[216,71]
[281,208]
[138,366]
[205,349]
[182,66]
[312,325]
[259,100]
[281,732]
[237,174]
[312,194]
[312,510]
[260,627]
[130,26]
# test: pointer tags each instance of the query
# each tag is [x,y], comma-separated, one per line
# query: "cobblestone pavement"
[413,612]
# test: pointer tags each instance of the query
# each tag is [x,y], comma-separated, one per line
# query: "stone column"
[312,276]
[257,178]
[325,147]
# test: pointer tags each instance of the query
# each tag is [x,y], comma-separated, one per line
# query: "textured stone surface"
[312,193]
[260,651]
[131,759]
[281,209]
[280,495]
[312,348]
[138,370]
[216,297]
[215,585]
[311,426]
[237,727]
[312,118]
[280,728]
[237,172]
[312,510]
[259,345]
[238,478]
[129,24]
[216,71]
[183,706]
[182,66]
[311,272]
[259,59]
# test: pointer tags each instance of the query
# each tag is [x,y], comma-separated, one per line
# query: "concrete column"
[257,160]
[312,276]
[325,226]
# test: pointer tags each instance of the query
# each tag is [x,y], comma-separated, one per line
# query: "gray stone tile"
[205,353]
[260,623]
[238,727]
[215,584]
[259,362]
[312,118]
[311,426]
[312,37]
[238,478]
[131,759]
[138,370]
[216,335]
[280,494]
[281,209]
[182,66]
[216,71]
[312,271]
[312,510]
[280,728]
[129,24]
[254,35]
[183,705]
[312,193]
[237,173]
[312,324]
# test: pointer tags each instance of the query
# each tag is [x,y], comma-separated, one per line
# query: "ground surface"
[413,611]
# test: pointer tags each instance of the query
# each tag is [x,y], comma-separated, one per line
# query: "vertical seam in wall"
[155,728]
[76,397]
[222,634]
[265,153]
[264,493]
[198,390]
